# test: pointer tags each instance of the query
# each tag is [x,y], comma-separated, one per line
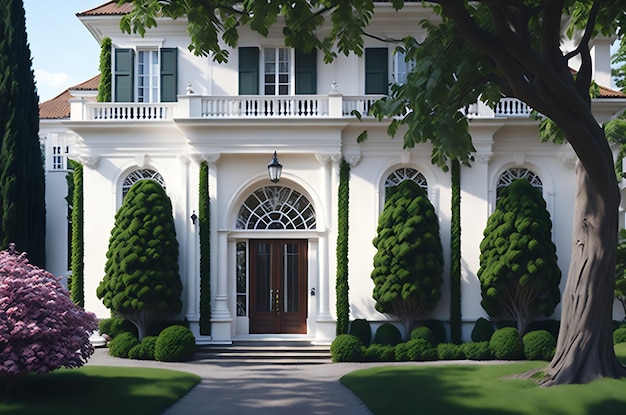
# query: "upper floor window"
[377,71]
[137,175]
[145,75]
[59,149]
[406,173]
[509,175]
[401,67]
[283,71]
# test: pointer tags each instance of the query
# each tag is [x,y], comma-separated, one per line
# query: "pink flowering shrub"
[41,329]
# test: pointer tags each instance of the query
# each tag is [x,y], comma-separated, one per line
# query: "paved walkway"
[259,389]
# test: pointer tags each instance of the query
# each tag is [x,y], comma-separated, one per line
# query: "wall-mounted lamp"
[313,292]
[274,169]
[194,217]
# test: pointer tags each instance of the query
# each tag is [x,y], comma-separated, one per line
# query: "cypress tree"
[343,301]
[22,191]
[204,217]
[455,254]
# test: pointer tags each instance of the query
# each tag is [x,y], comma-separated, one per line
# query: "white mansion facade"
[172,110]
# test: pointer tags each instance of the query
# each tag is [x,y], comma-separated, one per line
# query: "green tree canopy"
[519,275]
[408,264]
[141,280]
[479,50]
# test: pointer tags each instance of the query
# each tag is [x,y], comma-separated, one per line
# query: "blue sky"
[64,52]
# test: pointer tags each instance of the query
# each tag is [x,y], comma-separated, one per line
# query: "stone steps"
[265,353]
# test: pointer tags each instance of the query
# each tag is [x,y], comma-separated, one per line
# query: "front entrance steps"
[265,352]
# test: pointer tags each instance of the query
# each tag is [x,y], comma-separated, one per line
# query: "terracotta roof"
[610,93]
[108,9]
[58,107]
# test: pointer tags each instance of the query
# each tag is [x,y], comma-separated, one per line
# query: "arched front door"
[278,284]
[277,268]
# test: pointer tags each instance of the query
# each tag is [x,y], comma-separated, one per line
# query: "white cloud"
[51,84]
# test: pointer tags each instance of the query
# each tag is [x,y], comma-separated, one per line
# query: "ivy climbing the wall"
[204,217]
[455,255]
[104,87]
[77,281]
[343,302]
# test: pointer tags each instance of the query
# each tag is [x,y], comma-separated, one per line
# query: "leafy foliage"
[105,92]
[450,351]
[115,326]
[77,282]
[506,344]
[620,270]
[346,348]
[519,275]
[455,254]
[378,353]
[41,329]
[423,333]
[409,260]
[175,344]
[477,350]
[122,344]
[482,331]
[342,286]
[361,329]
[539,345]
[204,218]
[144,350]
[619,335]
[387,334]
[141,280]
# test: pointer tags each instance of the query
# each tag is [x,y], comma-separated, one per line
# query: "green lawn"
[92,390]
[481,389]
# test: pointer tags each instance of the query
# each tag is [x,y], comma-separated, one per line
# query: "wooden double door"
[278,286]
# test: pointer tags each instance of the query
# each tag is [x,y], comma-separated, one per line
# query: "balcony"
[257,106]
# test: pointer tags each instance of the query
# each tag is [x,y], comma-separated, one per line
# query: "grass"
[481,389]
[98,390]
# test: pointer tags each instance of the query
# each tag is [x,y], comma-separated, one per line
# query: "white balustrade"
[361,104]
[512,107]
[122,111]
[265,106]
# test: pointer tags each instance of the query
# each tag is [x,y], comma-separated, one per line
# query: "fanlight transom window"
[138,175]
[406,173]
[508,176]
[276,207]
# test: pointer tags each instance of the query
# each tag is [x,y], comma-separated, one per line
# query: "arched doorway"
[277,269]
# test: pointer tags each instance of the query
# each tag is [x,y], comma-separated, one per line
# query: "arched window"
[406,173]
[137,175]
[508,176]
[276,207]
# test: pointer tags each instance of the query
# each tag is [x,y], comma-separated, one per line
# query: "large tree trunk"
[585,345]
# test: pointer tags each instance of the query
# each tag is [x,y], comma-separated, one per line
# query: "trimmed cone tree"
[141,281]
[409,260]
[519,275]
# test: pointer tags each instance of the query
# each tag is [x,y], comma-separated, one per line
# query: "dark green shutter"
[376,71]
[124,75]
[169,74]
[306,72]
[249,71]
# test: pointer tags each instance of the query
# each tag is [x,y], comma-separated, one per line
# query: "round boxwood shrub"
[401,351]
[175,344]
[361,329]
[438,329]
[619,335]
[539,345]
[549,325]
[423,333]
[420,350]
[476,351]
[144,350]
[346,348]
[378,353]
[121,344]
[449,351]
[482,331]
[506,344]
[387,334]
[115,326]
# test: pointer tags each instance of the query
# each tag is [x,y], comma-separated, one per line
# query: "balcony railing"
[256,106]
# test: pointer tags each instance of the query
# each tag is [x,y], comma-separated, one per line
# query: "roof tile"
[108,9]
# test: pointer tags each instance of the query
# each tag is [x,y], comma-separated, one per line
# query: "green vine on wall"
[104,87]
[204,217]
[455,255]
[77,281]
[343,302]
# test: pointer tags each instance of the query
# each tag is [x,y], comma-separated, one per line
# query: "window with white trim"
[277,71]
[405,173]
[276,207]
[401,67]
[515,173]
[59,150]
[148,76]
[137,175]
